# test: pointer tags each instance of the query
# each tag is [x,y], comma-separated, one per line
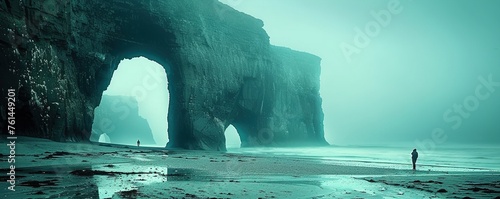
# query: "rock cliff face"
[118,117]
[60,56]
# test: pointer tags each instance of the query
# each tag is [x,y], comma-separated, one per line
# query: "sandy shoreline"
[46,169]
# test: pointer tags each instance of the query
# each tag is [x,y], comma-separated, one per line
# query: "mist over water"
[449,158]
[397,72]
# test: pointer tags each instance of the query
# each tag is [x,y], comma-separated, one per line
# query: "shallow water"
[444,159]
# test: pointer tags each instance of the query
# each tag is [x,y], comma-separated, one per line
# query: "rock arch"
[220,66]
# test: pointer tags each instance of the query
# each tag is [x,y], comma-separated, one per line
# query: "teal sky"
[393,89]
[417,65]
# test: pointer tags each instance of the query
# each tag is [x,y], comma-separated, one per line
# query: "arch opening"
[233,139]
[104,138]
[135,105]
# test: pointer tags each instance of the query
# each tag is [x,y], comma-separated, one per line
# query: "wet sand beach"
[47,169]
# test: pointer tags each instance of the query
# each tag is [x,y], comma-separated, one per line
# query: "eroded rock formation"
[118,117]
[60,57]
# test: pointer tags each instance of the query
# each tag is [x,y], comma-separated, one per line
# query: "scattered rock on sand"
[435,182]
[36,183]
[442,191]
[91,173]
[4,178]
[39,193]
[477,189]
[42,172]
[62,153]
[129,194]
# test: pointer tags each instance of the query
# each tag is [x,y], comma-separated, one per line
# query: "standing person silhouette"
[138,143]
[414,156]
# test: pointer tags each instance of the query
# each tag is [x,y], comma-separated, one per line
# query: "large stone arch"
[220,66]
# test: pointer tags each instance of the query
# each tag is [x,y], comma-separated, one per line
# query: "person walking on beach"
[138,143]
[414,156]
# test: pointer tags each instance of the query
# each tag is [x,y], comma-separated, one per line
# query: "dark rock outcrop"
[118,117]
[60,56]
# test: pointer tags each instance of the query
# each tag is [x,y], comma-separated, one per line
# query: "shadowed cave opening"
[134,106]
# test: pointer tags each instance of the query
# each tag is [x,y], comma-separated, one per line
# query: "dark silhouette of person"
[138,142]
[414,156]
